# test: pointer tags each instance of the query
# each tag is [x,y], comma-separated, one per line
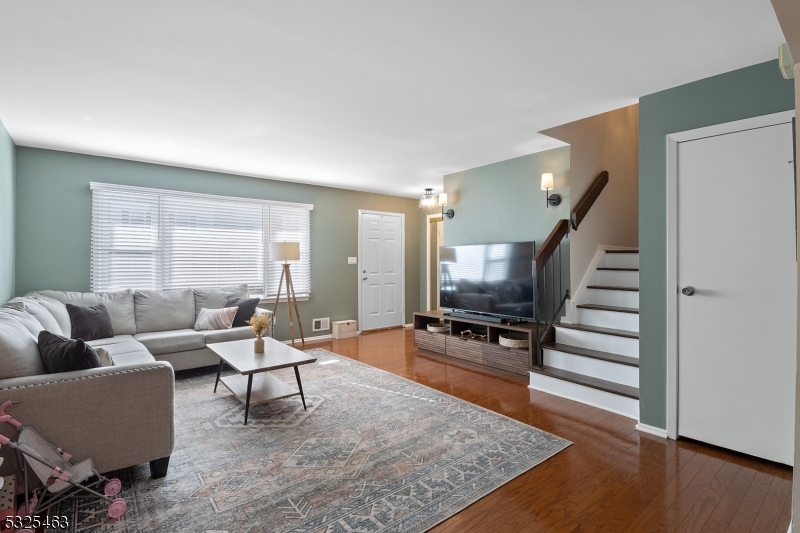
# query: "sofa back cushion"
[215,298]
[38,311]
[120,306]
[19,352]
[164,310]
[56,308]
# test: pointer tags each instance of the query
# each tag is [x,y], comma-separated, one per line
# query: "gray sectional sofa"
[121,415]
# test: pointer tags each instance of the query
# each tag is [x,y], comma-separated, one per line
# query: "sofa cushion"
[225,335]
[133,358]
[61,354]
[164,310]
[39,312]
[19,351]
[116,339]
[56,308]
[128,352]
[26,320]
[120,306]
[127,347]
[90,322]
[181,340]
[215,298]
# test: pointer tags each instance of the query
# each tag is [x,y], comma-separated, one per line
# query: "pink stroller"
[61,477]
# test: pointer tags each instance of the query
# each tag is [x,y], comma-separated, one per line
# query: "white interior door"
[737,332]
[381,270]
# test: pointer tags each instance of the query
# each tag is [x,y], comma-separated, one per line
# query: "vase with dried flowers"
[260,325]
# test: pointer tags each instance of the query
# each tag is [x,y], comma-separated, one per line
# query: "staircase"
[595,359]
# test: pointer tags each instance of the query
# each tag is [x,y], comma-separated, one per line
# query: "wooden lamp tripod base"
[291,299]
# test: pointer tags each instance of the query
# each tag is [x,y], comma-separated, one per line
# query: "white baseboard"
[658,432]
[408,325]
[790,528]
[310,339]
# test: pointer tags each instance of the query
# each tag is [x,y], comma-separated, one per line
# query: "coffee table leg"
[219,371]
[300,386]
[247,403]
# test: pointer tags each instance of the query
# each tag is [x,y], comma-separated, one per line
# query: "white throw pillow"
[215,318]
[104,356]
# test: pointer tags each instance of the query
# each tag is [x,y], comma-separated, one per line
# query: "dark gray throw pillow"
[60,354]
[247,308]
[90,323]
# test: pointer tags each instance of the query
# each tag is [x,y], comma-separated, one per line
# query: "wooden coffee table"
[254,384]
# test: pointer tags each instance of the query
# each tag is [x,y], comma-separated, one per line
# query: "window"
[155,239]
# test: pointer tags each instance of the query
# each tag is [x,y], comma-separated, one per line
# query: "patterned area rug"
[373,452]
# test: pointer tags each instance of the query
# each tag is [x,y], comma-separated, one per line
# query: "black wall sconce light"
[547,184]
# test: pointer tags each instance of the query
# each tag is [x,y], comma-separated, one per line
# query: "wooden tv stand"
[487,352]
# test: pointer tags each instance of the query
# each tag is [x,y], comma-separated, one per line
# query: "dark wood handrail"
[550,245]
[586,203]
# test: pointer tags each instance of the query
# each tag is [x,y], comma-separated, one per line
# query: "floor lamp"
[287,251]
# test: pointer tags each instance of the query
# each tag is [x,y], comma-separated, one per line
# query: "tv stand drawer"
[509,359]
[432,342]
[466,349]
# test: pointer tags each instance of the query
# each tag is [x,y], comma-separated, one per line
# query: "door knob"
[364,278]
[687,291]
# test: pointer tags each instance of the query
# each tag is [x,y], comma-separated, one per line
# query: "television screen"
[496,279]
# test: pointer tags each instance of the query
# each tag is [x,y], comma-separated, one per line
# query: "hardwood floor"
[613,479]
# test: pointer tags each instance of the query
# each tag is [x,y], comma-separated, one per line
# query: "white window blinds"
[155,239]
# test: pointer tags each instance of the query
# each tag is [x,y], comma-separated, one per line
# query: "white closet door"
[737,332]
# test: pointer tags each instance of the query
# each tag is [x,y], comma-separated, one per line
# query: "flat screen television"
[490,279]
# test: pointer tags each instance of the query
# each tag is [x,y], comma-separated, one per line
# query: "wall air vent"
[321,324]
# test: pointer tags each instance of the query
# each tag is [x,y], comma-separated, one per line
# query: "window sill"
[271,300]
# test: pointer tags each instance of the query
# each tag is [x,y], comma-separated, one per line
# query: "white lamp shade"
[443,198]
[284,251]
[547,181]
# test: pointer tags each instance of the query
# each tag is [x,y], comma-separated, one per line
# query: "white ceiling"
[384,96]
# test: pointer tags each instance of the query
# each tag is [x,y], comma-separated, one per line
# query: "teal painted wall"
[53,218]
[503,202]
[744,93]
[7,222]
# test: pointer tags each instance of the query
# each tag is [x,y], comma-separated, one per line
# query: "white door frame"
[402,259]
[428,279]
[673,140]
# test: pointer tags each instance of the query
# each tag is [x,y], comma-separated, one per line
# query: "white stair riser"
[616,278]
[607,319]
[596,368]
[622,260]
[608,297]
[598,341]
[604,400]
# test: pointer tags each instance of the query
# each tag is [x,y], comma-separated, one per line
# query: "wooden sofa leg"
[158,468]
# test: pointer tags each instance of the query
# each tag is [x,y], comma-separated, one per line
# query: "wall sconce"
[547,184]
[443,202]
